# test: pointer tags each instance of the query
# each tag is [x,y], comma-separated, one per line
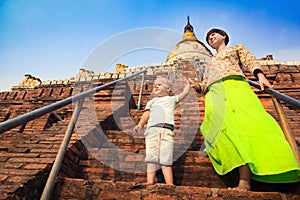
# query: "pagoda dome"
[189,47]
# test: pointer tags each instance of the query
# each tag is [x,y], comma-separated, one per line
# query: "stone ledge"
[101,189]
[272,62]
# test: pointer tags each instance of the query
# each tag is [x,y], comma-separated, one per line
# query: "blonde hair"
[165,82]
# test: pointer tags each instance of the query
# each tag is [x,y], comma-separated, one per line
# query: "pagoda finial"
[188,27]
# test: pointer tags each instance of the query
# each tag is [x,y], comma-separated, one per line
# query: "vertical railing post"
[175,71]
[169,72]
[286,128]
[61,153]
[141,91]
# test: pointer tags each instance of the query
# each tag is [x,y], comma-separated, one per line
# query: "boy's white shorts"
[159,145]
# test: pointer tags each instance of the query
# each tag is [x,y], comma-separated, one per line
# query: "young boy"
[159,117]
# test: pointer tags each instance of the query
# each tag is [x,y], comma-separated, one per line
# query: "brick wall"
[28,151]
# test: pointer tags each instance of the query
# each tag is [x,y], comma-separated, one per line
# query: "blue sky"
[51,39]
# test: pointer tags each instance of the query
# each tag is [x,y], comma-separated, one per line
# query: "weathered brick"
[247,195]
[5,147]
[3,158]
[37,146]
[11,165]
[120,195]
[19,179]
[20,155]
[10,189]
[19,172]
[98,170]
[133,158]
[18,150]
[32,160]
[35,166]
[3,177]
[44,151]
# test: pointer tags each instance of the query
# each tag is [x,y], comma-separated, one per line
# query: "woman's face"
[215,40]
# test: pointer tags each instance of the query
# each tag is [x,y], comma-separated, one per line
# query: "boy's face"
[160,89]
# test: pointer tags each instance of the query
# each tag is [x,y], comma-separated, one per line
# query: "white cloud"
[287,55]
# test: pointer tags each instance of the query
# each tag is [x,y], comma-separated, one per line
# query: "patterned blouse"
[226,63]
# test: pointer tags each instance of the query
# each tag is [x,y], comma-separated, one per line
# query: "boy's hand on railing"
[137,128]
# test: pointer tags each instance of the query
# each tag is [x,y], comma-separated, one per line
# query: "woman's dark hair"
[216,30]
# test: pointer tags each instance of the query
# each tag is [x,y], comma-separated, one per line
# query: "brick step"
[120,165]
[189,169]
[71,188]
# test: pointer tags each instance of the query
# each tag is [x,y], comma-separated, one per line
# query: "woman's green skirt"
[238,130]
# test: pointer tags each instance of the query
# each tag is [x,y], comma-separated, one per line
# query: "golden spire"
[189,31]
[188,27]
[189,46]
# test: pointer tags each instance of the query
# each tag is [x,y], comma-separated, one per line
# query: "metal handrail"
[14,122]
[61,152]
[141,92]
[280,96]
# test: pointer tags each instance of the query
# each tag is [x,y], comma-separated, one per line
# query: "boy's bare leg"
[151,173]
[245,177]
[168,174]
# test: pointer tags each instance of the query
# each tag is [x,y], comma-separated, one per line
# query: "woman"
[238,132]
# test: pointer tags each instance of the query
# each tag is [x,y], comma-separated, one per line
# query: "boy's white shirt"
[161,110]
[146,116]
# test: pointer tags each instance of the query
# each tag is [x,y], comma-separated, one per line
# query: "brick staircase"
[28,151]
[119,173]
[105,159]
